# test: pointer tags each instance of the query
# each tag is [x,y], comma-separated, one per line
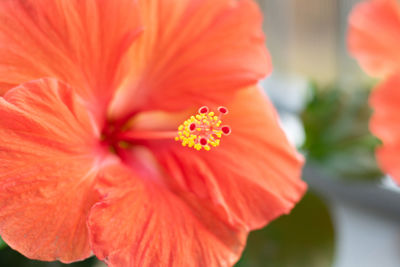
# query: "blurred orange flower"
[374,38]
[94,94]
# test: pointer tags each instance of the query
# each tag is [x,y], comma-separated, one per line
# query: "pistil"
[201,131]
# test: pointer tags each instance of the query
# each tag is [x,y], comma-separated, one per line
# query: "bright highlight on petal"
[203,130]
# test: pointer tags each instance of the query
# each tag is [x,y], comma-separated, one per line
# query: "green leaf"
[305,238]
[337,135]
[2,244]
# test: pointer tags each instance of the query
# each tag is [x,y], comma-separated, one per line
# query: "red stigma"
[223,110]
[226,130]
[203,141]
[203,110]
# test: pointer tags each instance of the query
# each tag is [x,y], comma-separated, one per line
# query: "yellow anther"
[202,130]
[197,146]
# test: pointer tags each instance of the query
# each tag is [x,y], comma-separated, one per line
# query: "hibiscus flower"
[374,37]
[103,147]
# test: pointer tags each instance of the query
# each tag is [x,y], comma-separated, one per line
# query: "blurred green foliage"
[2,244]
[11,258]
[305,238]
[337,135]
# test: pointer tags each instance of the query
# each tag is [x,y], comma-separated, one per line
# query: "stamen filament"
[147,135]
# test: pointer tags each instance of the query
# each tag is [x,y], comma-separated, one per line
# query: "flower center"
[203,130]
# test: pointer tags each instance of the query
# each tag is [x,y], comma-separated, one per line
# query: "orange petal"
[140,223]
[385,124]
[374,36]
[46,171]
[79,42]
[194,53]
[254,175]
